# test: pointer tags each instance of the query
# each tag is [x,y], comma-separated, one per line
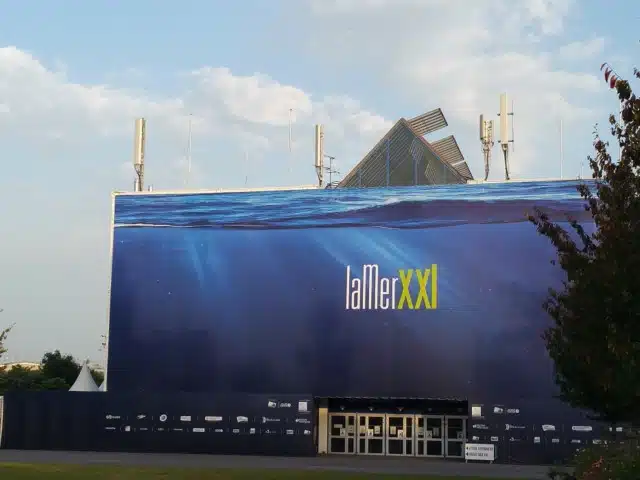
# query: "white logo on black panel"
[270,420]
[508,426]
[581,428]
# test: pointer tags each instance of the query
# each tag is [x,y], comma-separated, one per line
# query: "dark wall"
[534,432]
[137,423]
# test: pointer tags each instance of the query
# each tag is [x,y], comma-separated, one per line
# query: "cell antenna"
[139,141]
[319,154]
[487,142]
[187,180]
[506,132]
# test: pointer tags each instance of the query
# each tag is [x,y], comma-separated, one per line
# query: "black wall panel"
[193,423]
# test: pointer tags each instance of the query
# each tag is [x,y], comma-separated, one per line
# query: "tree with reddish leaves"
[595,338]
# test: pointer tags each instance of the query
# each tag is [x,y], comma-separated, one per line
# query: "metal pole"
[189,154]
[290,113]
[561,151]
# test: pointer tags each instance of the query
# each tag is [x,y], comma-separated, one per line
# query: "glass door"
[400,430]
[434,436]
[342,433]
[371,429]
[456,436]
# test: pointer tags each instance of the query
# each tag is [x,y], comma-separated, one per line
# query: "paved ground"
[410,466]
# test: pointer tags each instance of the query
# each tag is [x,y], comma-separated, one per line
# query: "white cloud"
[462,55]
[257,98]
[229,112]
[581,49]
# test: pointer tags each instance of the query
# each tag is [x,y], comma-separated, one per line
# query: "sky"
[75,74]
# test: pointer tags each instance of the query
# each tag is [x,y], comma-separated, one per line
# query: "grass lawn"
[9,471]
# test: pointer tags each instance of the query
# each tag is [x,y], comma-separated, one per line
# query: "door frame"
[441,439]
[346,435]
[366,437]
[402,439]
[463,440]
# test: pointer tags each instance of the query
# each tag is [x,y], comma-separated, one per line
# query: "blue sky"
[75,74]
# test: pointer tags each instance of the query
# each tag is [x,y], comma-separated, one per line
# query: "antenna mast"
[330,170]
[188,179]
[290,121]
[486,139]
[319,154]
[139,142]
[506,132]
[561,150]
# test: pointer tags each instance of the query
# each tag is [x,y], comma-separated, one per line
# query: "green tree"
[98,376]
[57,365]
[20,378]
[595,338]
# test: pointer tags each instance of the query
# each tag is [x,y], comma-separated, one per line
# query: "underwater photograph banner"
[397,292]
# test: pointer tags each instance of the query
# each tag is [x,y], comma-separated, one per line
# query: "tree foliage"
[595,338]
[57,365]
[3,337]
[57,372]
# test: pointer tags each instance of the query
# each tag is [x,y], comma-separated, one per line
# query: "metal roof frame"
[428,122]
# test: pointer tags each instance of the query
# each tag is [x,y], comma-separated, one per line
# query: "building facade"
[410,338]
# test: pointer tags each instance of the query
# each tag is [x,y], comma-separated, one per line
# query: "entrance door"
[371,434]
[430,436]
[456,436]
[400,435]
[342,433]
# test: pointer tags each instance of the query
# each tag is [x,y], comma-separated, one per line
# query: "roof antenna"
[246,167]
[506,132]
[186,182]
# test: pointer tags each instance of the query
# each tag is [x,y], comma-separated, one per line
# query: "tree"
[98,377]
[3,337]
[595,338]
[20,378]
[57,365]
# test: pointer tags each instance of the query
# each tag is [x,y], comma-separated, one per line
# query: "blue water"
[405,207]
[246,292]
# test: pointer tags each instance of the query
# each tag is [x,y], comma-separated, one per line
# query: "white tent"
[84,382]
[101,387]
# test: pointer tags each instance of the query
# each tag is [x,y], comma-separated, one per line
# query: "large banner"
[401,292]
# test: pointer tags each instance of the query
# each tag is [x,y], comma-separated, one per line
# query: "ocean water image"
[254,292]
